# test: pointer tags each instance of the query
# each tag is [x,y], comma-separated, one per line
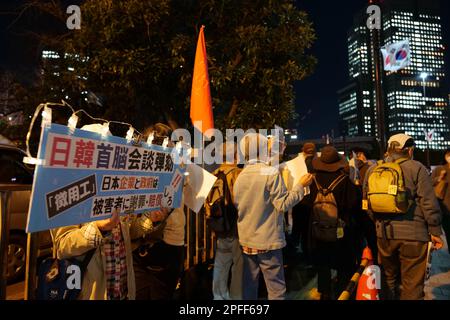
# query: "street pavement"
[15,291]
[301,279]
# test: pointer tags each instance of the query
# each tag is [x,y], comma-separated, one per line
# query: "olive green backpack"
[386,191]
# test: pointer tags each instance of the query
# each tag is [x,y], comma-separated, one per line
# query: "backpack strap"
[226,189]
[332,185]
[227,198]
[336,182]
[319,187]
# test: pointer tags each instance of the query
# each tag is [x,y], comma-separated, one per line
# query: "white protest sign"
[199,183]
[293,170]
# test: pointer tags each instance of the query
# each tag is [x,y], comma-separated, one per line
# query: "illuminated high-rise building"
[414,98]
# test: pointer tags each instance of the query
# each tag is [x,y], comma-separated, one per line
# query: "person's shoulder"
[438,168]
[270,170]
[225,168]
[264,169]
[215,172]
[371,165]
[366,165]
[242,173]
[231,168]
[236,171]
[415,164]
[414,168]
[441,167]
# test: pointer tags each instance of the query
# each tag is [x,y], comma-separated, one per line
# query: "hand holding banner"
[293,170]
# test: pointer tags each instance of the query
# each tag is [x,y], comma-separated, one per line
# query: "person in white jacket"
[261,198]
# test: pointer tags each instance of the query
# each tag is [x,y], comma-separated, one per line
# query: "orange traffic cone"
[369,282]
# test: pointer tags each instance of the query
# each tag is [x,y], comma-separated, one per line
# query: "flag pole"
[379,101]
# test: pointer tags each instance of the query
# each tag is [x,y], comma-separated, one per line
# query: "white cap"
[400,138]
[257,146]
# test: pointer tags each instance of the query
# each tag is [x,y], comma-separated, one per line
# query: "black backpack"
[59,279]
[326,226]
[221,214]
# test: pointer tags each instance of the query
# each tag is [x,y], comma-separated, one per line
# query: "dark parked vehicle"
[14,171]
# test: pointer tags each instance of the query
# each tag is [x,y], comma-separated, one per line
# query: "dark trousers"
[339,255]
[300,226]
[158,272]
[369,233]
[345,272]
[404,262]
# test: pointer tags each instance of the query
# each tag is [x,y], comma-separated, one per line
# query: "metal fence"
[200,241]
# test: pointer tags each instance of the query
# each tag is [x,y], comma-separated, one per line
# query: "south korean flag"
[396,55]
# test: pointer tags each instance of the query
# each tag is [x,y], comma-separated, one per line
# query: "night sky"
[332,20]
[317,93]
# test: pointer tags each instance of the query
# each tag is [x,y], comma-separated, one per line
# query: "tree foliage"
[138,56]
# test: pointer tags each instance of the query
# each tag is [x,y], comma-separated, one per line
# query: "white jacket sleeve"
[281,198]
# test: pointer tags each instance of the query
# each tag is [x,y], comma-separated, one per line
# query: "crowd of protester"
[141,256]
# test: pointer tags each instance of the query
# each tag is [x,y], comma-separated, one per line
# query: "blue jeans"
[228,254]
[271,266]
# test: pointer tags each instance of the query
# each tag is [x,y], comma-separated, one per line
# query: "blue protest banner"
[82,176]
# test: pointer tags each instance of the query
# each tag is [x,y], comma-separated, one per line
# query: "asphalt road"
[302,281]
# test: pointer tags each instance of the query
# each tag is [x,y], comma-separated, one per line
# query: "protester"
[309,153]
[159,258]
[367,230]
[109,274]
[335,203]
[300,212]
[407,217]
[261,199]
[362,162]
[228,252]
[441,182]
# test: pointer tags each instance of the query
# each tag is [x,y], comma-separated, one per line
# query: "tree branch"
[233,109]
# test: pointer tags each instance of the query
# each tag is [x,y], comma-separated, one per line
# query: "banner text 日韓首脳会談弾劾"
[83,176]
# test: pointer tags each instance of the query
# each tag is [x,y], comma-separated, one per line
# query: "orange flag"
[201,104]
